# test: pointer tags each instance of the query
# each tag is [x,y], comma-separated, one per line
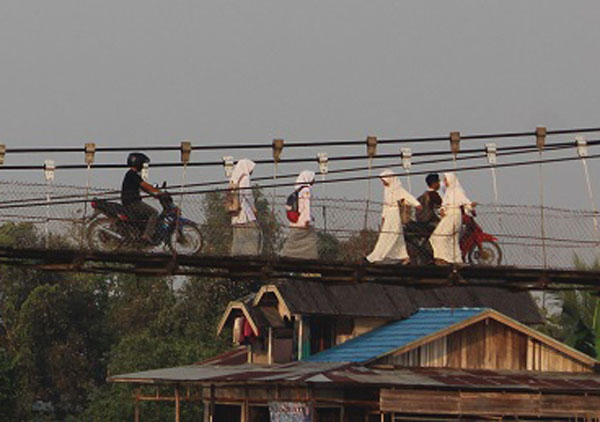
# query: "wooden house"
[373,353]
[292,320]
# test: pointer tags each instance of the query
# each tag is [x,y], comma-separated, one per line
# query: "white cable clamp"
[406,158]
[491,150]
[582,146]
[49,168]
[145,172]
[228,165]
[323,162]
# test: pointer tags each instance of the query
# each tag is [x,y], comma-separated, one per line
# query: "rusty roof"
[398,302]
[322,374]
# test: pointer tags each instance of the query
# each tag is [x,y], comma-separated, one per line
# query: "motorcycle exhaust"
[112,233]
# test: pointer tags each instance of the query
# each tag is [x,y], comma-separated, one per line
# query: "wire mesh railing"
[37,216]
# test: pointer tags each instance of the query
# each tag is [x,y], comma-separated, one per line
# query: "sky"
[147,72]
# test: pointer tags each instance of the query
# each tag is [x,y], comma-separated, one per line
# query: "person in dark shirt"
[131,198]
[431,202]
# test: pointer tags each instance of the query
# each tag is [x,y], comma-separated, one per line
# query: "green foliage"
[8,397]
[328,246]
[216,229]
[272,236]
[578,322]
[63,335]
[13,234]
[358,246]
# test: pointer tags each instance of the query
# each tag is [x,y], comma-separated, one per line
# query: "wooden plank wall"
[488,403]
[487,344]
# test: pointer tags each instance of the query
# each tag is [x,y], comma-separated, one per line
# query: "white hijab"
[393,191]
[305,179]
[243,168]
[455,195]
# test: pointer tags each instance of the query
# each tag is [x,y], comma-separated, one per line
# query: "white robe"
[390,244]
[445,240]
[241,177]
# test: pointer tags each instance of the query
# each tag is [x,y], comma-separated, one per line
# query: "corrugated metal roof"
[398,302]
[395,335]
[322,374]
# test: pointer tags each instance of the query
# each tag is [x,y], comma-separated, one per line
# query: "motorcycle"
[477,247]
[113,228]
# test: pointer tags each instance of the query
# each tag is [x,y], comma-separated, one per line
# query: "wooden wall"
[488,344]
[489,403]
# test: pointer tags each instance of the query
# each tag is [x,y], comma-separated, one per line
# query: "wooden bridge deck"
[264,269]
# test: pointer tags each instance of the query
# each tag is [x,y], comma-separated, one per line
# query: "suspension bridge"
[47,225]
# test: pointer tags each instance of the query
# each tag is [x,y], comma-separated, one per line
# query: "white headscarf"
[394,191]
[306,178]
[394,184]
[455,195]
[243,168]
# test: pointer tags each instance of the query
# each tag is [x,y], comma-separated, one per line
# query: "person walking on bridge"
[390,245]
[445,239]
[302,239]
[431,202]
[246,234]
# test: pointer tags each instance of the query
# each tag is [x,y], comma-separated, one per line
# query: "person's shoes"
[441,262]
[405,262]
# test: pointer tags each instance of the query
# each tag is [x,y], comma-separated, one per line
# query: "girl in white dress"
[302,239]
[446,236]
[246,233]
[390,245]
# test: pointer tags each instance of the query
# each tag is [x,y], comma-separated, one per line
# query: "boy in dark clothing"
[131,198]
[431,202]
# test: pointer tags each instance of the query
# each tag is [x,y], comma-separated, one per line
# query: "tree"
[578,323]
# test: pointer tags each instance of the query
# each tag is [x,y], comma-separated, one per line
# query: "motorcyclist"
[131,198]
[431,201]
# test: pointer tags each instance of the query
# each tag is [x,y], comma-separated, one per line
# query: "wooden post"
[270,346]
[245,410]
[177,405]
[136,411]
[211,409]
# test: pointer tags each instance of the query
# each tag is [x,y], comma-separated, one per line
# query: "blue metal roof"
[390,337]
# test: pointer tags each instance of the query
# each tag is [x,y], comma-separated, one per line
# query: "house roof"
[395,302]
[425,326]
[236,356]
[329,374]
[396,335]
[258,318]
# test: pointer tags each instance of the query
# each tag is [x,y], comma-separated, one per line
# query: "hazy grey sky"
[142,72]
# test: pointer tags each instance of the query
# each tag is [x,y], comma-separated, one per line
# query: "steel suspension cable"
[509,151]
[343,180]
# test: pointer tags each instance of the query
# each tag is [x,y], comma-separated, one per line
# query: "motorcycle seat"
[112,209]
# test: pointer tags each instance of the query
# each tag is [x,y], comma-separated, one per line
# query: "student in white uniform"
[246,233]
[390,245]
[445,239]
[302,239]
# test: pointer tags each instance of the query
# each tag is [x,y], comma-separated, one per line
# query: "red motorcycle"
[477,247]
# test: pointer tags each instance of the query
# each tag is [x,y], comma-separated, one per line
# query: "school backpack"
[291,207]
[232,200]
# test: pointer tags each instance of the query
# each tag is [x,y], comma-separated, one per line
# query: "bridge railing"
[58,216]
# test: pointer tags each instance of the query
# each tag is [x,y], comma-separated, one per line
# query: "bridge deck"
[262,269]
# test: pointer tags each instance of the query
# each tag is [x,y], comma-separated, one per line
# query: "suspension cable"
[304,144]
[342,180]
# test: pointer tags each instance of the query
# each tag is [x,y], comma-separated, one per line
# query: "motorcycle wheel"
[489,254]
[99,235]
[187,240]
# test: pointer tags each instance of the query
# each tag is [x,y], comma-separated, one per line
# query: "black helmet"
[137,160]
